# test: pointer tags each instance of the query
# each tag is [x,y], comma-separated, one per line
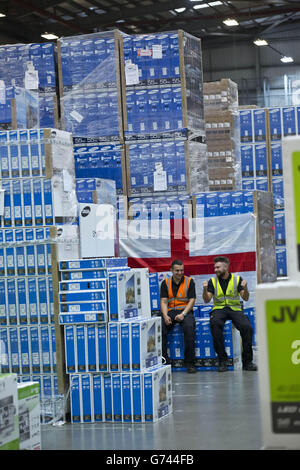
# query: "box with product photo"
[157,393]
[146,344]
[9,423]
[278,353]
[29,416]
[129,294]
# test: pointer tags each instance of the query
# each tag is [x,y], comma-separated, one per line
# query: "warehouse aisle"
[212,411]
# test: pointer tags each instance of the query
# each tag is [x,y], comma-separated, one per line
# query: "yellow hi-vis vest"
[231,298]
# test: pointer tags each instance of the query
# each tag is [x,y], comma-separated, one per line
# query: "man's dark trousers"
[241,322]
[188,326]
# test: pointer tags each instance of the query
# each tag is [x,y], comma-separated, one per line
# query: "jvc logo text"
[288,313]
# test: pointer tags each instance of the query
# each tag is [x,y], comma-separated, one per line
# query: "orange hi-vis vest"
[181,300]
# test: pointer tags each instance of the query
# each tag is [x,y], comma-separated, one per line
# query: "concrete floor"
[211,411]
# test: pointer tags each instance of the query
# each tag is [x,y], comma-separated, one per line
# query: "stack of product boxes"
[262,131]
[222,135]
[19,414]
[112,344]
[90,98]
[28,86]
[37,175]
[163,114]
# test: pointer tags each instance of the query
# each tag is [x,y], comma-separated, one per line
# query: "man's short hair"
[176,261]
[221,259]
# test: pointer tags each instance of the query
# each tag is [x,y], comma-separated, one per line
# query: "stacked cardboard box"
[112,345]
[262,134]
[163,114]
[28,86]
[37,170]
[222,135]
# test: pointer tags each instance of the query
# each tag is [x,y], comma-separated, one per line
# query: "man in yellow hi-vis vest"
[225,289]
[177,299]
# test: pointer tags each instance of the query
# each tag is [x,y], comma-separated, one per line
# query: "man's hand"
[244,284]
[167,319]
[179,317]
[205,285]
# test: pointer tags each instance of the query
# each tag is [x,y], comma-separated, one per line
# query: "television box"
[9,422]
[157,393]
[29,416]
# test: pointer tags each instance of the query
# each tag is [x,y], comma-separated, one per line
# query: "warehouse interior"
[132,134]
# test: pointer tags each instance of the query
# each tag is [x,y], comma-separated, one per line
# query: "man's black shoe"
[250,366]
[222,367]
[191,369]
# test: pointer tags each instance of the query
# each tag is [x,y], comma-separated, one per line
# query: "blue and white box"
[137,398]
[247,161]
[129,294]
[70,347]
[126,398]
[246,125]
[86,396]
[45,350]
[5,356]
[157,391]
[102,347]
[146,348]
[35,349]
[25,351]
[91,338]
[275,123]
[22,301]
[259,125]
[75,398]
[97,397]
[107,387]
[288,120]
[261,161]
[281,261]
[279,224]
[225,203]
[114,346]
[125,347]
[211,204]
[276,158]
[80,351]
[32,300]
[14,351]
[237,200]
[117,397]
[12,301]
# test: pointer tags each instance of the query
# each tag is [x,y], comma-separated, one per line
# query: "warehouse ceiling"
[26,20]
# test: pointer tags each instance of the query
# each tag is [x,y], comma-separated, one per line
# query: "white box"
[278,342]
[29,416]
[129,295]
[291,183]
[157,393]
[9,423]
[97,230]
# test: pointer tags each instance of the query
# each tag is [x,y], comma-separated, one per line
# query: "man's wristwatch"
[184,313]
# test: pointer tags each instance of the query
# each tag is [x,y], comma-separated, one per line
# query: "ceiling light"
[261,42]
[230,22]
[180,10]
[203,5]
[286,60]
[49,36]
[2,15]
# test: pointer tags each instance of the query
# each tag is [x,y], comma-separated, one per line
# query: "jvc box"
[278,326]
[291,180]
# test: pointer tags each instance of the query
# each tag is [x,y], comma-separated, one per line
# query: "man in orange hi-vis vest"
[177,299]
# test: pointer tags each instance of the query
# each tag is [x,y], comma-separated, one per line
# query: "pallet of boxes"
[112,345]
[222,134]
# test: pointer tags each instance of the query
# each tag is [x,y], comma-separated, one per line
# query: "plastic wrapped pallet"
[166,167]
[223,150]
[162,74]
[28,73]
[90,95]
[220,95]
